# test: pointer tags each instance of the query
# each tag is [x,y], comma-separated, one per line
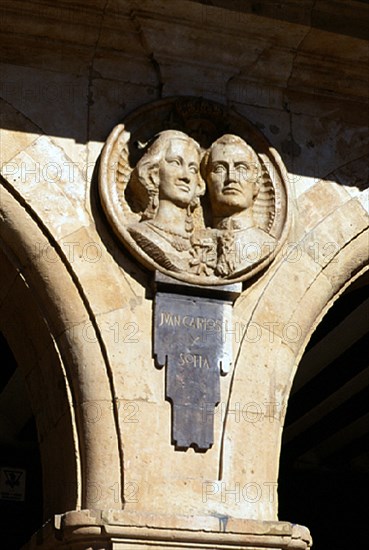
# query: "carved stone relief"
[194,191]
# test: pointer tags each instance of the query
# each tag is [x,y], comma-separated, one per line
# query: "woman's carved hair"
[143,176]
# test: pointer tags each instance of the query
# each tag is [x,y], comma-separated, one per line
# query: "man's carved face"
[231,177]
[179,173]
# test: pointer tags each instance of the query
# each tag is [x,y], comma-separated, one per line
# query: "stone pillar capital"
[119,530]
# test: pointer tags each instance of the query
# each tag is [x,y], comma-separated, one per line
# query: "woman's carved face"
[179,172]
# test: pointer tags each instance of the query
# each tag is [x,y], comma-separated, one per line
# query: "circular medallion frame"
[205,121]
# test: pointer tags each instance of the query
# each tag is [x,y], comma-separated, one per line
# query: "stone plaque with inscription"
[190,340]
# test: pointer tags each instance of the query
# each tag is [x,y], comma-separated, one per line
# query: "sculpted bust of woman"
[169,174]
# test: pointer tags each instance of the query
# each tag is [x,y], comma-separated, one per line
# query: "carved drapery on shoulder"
[194,191]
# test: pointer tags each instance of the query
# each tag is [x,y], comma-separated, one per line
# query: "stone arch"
[81,395]
[27,334]
[294,296]
[317,460]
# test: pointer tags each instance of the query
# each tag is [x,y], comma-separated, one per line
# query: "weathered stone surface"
[78,309]
[128,531]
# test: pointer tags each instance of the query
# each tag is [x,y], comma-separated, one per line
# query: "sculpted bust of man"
[232,171]
[169,175]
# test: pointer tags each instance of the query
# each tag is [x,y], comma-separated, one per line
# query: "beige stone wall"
[88,318]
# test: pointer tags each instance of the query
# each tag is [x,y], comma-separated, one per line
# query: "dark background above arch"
[324,467]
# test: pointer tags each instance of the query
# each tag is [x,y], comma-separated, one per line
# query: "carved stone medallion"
[194,191]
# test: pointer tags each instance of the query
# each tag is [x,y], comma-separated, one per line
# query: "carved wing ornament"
[193,190]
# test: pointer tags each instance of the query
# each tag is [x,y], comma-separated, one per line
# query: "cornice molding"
[254,47]
[121,530]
